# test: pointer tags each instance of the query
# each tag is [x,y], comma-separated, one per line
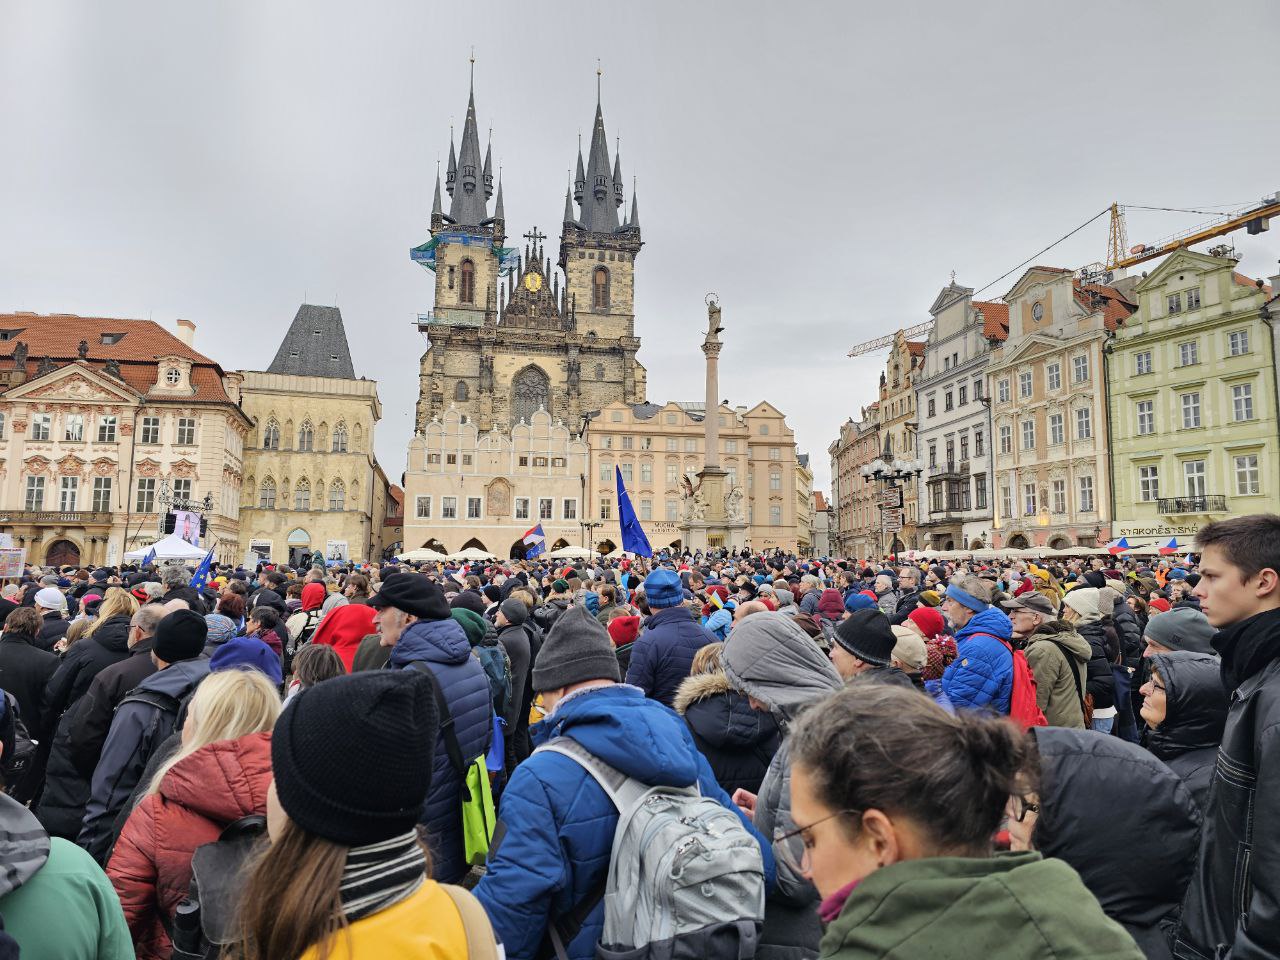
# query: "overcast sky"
[822,167]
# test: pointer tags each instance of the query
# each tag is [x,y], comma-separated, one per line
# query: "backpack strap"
[482,943]
[447,731]
[1075,674]
[623,791]
[156,698]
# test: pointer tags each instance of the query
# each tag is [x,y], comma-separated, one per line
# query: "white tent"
[422,555]
[172,547]
[571,553]
[472,553]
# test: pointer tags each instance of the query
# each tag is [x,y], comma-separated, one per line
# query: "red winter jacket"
[151,865]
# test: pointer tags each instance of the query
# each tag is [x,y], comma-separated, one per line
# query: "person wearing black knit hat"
[342,812]
[864,641]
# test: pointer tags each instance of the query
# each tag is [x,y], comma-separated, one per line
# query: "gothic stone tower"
[500,351]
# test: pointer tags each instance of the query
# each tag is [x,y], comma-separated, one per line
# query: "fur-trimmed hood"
[701,686]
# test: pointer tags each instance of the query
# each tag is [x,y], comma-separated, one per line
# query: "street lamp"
[891,475]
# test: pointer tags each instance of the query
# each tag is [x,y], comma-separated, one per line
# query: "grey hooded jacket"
[768,657]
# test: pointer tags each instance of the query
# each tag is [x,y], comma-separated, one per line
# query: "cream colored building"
[854,524]
[899,424]
[655,446]
[804,506]
[314,482]
[464,488]
[101,421]
[1047,391]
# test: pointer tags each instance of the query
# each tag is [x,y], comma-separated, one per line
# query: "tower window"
[451,278]
[468,294]
[600,288]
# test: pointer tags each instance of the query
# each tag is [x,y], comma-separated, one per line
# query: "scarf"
[381,874]
[1248,646]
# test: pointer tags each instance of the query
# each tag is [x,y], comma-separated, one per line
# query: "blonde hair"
[78,630]
[707,659]
[227,705]
[115,603]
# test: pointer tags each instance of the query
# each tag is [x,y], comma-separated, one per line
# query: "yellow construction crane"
[1255,219]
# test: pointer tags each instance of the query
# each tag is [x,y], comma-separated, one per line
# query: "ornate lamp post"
[891,476]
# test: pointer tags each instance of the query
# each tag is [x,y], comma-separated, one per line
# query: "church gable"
[533,298]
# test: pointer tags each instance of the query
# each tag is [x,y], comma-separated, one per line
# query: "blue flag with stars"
[150,558]
[633,538]
[201,578]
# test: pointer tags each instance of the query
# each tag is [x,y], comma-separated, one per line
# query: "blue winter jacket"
[557,824]
[981,676]
[442,645]
[720,622]
[663,653]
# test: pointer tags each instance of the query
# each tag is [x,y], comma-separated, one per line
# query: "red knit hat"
[1161,604]
[929,620]
[624,630]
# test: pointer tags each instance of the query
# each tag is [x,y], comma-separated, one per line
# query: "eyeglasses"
[1025,807]
[796,856]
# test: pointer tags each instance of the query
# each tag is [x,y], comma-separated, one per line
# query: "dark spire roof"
[472,187]
[580,180]
[634,220]
[315,346]
[568,207]
[497,206]
[453,165]
[436,209]
[599,205]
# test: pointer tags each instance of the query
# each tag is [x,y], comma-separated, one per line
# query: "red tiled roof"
[819,501]
[1244,281]
[915,348]
[1116,307]
[58,336]
[995,319]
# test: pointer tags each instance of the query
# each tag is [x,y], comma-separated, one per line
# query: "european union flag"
[633,538]
[201,578]
[150,558]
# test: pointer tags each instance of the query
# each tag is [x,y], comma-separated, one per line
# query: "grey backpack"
[686,878]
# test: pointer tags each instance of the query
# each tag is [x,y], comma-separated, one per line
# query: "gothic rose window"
[530,390]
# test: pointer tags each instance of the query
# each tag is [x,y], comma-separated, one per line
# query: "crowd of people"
[724,755]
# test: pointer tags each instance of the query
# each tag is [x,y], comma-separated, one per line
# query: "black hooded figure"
[1125,822]
[1195,714]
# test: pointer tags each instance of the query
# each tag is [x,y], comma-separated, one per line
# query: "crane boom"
[879,343]
[1254,219]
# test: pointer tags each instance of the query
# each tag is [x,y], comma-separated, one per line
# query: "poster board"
[336,552]
[12,562]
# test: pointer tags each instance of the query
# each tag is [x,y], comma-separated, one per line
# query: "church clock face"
[533,282]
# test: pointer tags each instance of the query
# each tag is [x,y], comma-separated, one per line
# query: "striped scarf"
[381,874]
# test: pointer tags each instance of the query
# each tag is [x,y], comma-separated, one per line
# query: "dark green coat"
[1015,906]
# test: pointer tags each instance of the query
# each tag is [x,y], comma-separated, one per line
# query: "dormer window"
[315,333]
[9,334]
[108,339]
[172,376]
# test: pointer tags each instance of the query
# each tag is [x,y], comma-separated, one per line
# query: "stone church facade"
[511,332]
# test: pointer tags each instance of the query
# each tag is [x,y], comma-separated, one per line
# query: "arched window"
[302,495]
[340,438]
[271,436]
[460,393]
[468,291]
[600,289]
[530,391]
[267,495]
[600,374]
[306,436]
[337,496]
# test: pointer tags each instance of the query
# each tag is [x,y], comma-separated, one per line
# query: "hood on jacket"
[224,780]
[626,730]
[831,604]
[990,620]
[24,844]
[179,678]
[700,686]
[1064,633]
[1195,703]
[1105,802]
[476,627]
[435,641]
[113,634]
[768,657]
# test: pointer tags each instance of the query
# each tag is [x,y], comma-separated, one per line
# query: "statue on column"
[486,374]
[733,506]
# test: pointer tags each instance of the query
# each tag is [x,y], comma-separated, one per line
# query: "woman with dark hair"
[342,813]
[231,606]
[895,802]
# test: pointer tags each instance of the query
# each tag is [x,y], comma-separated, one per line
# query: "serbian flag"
[535,542]
[1116,547]
[1168,546]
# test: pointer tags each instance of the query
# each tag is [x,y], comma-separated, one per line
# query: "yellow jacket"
[425,926]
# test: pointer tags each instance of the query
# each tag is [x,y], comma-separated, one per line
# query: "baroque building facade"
[854,526]
[955,420]
[1192,384]
[101,421]
[510,332]
[899,424]
[314,482]
[1048,410]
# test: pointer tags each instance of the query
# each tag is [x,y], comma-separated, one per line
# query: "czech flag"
[1116,547]
[1169,546]
[535,542]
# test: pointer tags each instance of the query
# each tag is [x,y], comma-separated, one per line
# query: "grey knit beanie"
[1182,629]
[577,649]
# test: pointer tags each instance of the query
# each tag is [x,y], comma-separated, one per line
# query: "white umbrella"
[571,553]
[172,547]
[422,554]
[472,553]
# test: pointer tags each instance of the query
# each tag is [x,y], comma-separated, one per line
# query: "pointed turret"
[452,175]
[436,209]
[633,221]
[580,179]
[470,199]
[488,171]
[617,176]
[568,207]
[599,207]
[497,206]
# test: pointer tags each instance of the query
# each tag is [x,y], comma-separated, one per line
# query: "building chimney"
[187,332]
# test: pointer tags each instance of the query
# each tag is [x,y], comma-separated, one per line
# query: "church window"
[271,436]
[600,288]
[530,392]
[267,495]
[302,495]
[340,438]
[306,436]
[460,393]
[451,271]
[468,284]
[337,495]
[599,371]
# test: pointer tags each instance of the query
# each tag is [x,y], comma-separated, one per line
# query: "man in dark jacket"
[25,669]
[92,721]
[52,605]
[512,614]
[1232,908]
[661,658]
[557,822]
[557,603]
[415,622]
[143,721]
[908,594]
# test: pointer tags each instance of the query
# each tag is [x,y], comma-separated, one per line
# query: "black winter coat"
[92,721]
[1195,713]
[107,645]
[25,671]
[1125,822]
[1129,632]
[515,640]
[906,603]
[737,741]
[1099,681]
[52,630]
[547,614]
[1232,901]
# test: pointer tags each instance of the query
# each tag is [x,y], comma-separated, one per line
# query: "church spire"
[579,181]
[568,207]
[436,209]
[453,164]
[634,220]
[488,170]
[617,175]
[473,180]
[598,202]
[497,206]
